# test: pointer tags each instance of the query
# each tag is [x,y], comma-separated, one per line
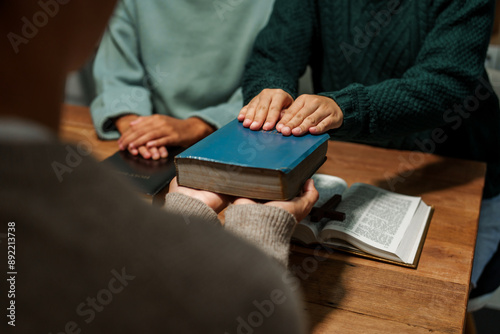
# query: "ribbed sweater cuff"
[349,101]
[267,227]
[190,207]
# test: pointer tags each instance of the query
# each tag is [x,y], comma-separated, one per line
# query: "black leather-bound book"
[149,176]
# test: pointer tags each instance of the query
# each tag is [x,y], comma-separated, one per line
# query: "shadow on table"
[320,280]
[431,177]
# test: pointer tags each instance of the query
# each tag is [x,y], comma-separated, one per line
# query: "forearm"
[261,73]
[446,74]
[119,75]
[282,49]
[400,107]
[113,103]
[268,228]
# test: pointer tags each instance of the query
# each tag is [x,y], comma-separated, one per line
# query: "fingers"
[278,102]
[149,135]
[310,194]
[158,152]
[155,155]
[295,108]
[133,151]
[163,141]
[141,139]
[301,205]
[323,126]
[311,113]
[121,139]
[249,111]
[144,131]
[215,201]
[172,187]
[309,109]
[243,201]
[137,121]
[218,202]
[163,151]
[265,107]
[131,134]
[243,112]
[257,114]
[159,144]
[123,122]
[261,112]
[301,125]
[306,201]
[144,152]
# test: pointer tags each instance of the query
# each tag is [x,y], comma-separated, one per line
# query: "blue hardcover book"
[237,161]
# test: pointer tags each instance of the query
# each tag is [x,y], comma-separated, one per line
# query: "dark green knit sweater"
[406,74]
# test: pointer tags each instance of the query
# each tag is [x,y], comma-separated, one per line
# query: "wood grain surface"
[348,294]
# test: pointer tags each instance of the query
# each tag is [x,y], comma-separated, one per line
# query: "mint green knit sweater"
[406,74]
[175,57]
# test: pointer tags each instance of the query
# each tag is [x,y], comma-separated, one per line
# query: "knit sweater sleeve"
[448,63]
[266,227]
[120,77]
[282,49]
[187,207]
[445,74]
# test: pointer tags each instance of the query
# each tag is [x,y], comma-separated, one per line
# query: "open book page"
[327,186]
[409,247]
[375,216]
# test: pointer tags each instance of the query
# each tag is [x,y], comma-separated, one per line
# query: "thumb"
[310,194]
[243,112]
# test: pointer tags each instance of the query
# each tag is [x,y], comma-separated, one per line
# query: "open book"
[379,224]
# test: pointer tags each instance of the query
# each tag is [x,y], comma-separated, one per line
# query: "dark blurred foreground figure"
[89,257]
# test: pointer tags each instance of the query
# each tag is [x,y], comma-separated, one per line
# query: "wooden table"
[348,294]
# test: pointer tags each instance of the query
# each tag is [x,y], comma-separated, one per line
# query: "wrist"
[269,228]
[200,127]
[122,123]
